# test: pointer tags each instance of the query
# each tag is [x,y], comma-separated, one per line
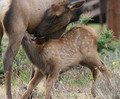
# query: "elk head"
[58,16]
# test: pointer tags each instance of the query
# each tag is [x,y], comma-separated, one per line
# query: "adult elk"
[1,34]
[20,17]
[77,46]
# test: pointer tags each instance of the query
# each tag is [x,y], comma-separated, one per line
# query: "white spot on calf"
[82,43]
[85,37]
[88,34]
[88,43]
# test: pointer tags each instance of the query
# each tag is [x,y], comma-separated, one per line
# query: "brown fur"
[19,18]
[48,28]
[1,35]
[77,46]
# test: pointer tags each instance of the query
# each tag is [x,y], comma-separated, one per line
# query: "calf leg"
[31,76]
[95,74]
[50,81]
[99,65]
[33,83]
[105,73]
[32,72]
[94,64]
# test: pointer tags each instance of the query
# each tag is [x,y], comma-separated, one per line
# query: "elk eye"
[57,17]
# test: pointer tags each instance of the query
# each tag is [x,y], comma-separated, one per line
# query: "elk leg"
[50,82]
[33,83]
[9,55]
[15,36]
[1,35]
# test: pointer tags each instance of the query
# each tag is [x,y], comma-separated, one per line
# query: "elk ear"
[75,3]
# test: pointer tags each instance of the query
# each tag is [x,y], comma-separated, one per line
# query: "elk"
[55,56]
[21,17]
[47,25]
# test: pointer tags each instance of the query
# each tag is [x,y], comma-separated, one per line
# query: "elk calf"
[77,46]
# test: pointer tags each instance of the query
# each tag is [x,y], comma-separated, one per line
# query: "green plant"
[80,82]
[24,76]
[69,27]
[105,41]
[91,78]
[85,18]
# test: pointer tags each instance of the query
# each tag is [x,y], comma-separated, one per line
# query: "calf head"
[58,16]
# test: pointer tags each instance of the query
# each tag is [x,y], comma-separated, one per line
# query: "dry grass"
[64,90]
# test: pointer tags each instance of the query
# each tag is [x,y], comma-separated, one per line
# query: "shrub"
[85,18]
[105,41]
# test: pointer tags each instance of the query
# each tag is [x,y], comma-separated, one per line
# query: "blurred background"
[105,11]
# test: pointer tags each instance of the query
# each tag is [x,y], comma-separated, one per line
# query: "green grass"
[98,28]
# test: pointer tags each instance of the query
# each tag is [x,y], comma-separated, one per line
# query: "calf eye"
[57,17]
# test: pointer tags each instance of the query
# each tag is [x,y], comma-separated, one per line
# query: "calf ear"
[75,3]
